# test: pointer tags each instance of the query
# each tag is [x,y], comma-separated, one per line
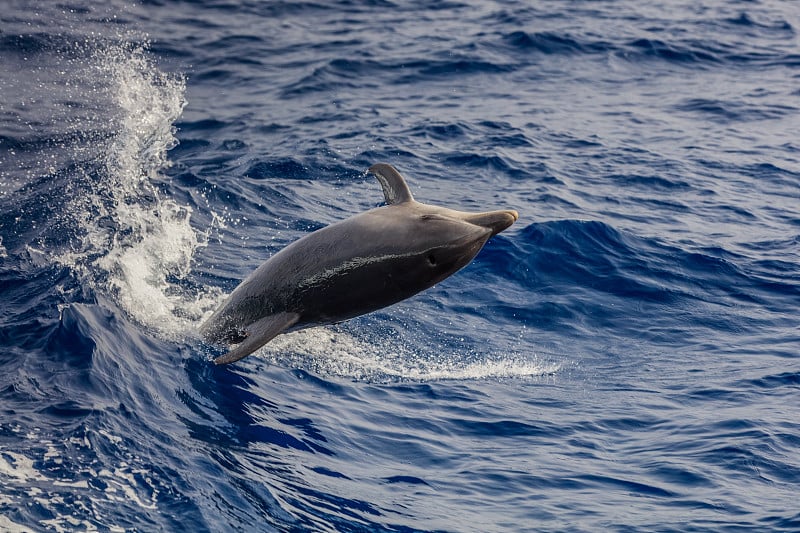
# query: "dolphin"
[352,267]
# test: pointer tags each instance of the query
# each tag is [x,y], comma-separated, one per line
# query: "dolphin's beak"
[496,221]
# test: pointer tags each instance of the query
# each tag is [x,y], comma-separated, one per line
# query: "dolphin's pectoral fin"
[259,333]
[395,188]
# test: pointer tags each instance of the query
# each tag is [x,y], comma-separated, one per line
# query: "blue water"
[625,357]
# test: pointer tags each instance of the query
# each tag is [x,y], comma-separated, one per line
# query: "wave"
[341,75]
[726,111]
[575,276]
[721,41]
[554,43]
[680,52]
[90,420]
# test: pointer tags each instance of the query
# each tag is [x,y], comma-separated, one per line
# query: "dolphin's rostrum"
[361,264]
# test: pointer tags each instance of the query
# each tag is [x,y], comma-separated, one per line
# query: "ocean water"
[626,357]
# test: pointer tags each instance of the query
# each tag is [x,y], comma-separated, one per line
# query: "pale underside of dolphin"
[356,266]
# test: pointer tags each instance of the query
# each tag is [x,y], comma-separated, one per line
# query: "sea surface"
[626,357]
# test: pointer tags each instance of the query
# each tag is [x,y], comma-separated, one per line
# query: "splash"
[137,243]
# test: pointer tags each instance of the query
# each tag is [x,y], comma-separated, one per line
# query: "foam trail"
[330,352]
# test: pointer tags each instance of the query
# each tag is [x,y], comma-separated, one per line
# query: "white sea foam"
[6,524]
[127,481]
[331,352]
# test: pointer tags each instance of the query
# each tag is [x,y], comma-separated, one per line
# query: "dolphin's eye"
[432,259]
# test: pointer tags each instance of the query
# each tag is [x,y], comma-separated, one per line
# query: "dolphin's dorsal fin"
[395,188]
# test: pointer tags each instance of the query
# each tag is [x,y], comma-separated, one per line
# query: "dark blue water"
[625,357]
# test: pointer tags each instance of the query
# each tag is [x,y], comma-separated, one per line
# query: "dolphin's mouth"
[495,221]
